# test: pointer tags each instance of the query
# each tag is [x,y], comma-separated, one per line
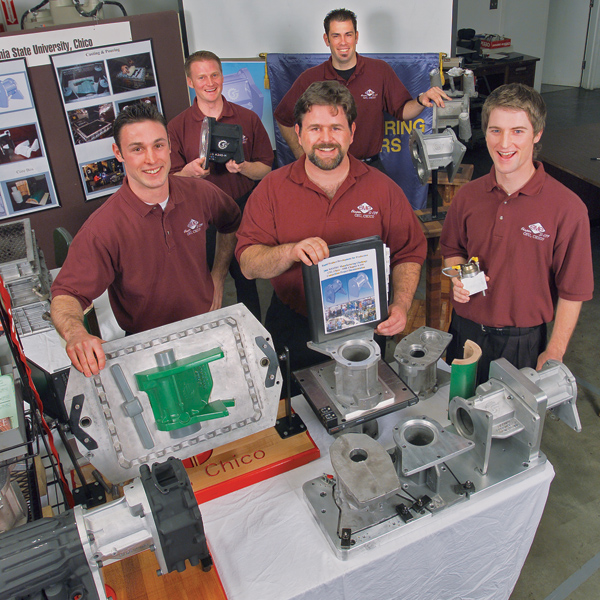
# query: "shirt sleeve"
[178,160]
[395,93]
[453,241]
[262,150]
[284,113]
[88,270]
[225,214]
[258,222]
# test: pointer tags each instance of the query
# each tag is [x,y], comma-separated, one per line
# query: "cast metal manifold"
[513,404]
[61,557]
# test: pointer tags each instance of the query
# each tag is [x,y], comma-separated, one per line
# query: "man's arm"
[224,247]
[264,262]
[291,138]
[434,95]
[405,279]
[565,320]
[84,350]
[253,170]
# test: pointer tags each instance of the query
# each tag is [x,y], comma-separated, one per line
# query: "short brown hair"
[325,93]
[517,96]
[199,56]
[136,113]
[341,15]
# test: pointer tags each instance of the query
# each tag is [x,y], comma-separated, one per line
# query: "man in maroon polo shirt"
[373,83]
[146,244]
[205,75]
[325,197]
[532,237]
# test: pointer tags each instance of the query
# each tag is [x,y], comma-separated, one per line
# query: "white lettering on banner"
[37,47]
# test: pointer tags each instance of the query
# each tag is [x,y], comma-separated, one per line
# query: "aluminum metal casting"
[417,355]
[356,386]
[177,390]
[61,557]
[513,404]
[495,436]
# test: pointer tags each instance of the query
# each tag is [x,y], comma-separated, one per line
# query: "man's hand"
[434,95]
[194,169]
[460,295]
[547,355]
[395,323]
[310,251]
[86,353]
[234,167]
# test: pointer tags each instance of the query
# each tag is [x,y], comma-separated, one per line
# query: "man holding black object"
[205,75]
[531,236]
[373,83]
[325,197]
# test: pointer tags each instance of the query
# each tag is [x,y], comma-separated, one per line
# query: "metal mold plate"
[243,374]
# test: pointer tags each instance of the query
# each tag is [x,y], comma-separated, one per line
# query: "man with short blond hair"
[532,237]
[205,76]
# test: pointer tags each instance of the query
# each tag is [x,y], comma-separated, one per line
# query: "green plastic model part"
[463,374]
[179,390]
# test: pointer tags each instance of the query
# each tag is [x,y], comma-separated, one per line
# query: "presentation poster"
[26,185]
[95,86]
[349,291]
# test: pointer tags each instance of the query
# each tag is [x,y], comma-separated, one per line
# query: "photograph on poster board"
[19,143]
[144,100]
[104,175]
[80,82]
[128,73]
[131,73]
[92,123]
[14,90]
[27,192]
[26,184]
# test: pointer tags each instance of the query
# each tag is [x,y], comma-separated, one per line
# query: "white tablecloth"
[266,543]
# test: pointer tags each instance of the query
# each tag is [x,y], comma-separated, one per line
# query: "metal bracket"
[74,419]
[271,355]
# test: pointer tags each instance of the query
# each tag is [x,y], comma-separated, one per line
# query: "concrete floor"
[564,561]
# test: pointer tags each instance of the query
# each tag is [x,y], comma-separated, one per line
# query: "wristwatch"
[419,99]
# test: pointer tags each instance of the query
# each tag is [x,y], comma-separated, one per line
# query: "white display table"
[266,543]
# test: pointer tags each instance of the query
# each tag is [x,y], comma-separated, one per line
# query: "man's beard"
[330,163]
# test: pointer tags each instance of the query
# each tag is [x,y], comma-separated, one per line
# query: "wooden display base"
[135,578]
[247,461]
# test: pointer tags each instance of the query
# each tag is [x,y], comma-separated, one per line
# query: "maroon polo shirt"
[287,207]
[184,135]
[534,245]
[375,87]
[152,262]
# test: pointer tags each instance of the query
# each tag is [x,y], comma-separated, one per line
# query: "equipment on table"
[495,436]
[177,390]
[61,557]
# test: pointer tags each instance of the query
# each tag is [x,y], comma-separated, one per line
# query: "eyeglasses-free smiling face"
[207,80]
[325,136]
[342,40]
[510,141]
[146,155]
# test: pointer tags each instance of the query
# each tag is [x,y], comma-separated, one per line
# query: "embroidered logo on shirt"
[244,139]
[535,231]
[364,211]
[193,227]
[369,95]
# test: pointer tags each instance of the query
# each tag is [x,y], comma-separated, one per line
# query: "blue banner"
[412,69]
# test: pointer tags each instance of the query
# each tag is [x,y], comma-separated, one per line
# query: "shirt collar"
[532,188]
[357,169]
[331,73]
[139,206]
[198,115]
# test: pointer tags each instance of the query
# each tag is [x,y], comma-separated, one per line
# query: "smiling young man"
[373,83]
[205,76]
[146,244]
[532,238]
[325,197]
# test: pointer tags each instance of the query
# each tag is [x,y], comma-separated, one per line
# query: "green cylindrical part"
[463,374]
